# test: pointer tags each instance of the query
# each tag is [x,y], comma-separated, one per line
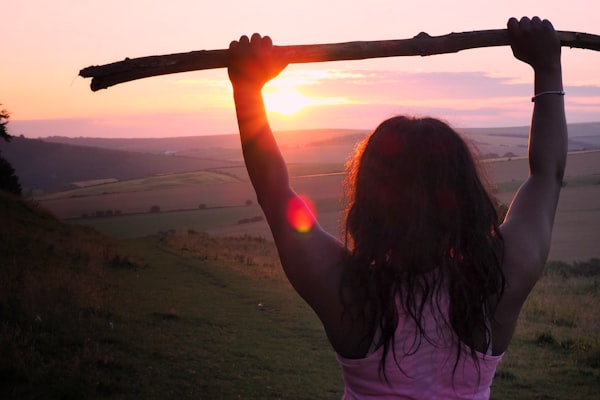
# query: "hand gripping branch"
[104,76]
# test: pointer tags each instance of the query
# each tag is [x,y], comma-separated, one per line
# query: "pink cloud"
[360,99]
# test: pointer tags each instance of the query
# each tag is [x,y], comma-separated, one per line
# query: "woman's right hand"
[252,62]
[535,42]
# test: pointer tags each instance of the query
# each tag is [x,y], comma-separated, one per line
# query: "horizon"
[234,133]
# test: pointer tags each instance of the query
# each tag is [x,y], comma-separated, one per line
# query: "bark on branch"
[127,70]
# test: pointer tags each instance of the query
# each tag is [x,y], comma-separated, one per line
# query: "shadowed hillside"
[57,163]
[80,317]
[54,330]
[50,167]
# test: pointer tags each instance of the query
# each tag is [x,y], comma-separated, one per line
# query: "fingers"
[526,29]
[267,43]
[239,44]
[526,25]
[547,24]
[256,43]
[252,61]
[534,41]
[261,44]
[513,27]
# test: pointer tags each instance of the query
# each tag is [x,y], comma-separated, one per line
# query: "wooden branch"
[127,70]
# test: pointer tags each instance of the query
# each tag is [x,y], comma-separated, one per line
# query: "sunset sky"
[45,44]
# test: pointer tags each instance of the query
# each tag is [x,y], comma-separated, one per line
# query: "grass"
[128,226]
[209,330]
[570,181]
[139,225]
[54,330]
[167,181]
[556,348]
[183,314]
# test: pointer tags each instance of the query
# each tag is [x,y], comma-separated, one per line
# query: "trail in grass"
[198,329]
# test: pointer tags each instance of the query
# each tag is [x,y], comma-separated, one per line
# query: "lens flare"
[301,213]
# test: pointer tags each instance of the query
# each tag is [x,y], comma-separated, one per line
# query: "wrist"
[546,93]
[550,69]
[548,79]
[247,88]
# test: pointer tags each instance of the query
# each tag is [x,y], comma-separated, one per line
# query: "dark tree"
[9,181]
[4,115]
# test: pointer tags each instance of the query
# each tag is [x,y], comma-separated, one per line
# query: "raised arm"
[251,66]
[527,229]
[311,259]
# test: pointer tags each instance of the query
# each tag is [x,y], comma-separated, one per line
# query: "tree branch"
[127,70]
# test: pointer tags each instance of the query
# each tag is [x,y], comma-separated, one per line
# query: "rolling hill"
[44,167]
[58,163]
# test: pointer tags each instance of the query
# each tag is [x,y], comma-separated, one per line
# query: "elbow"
[533,268]
[269,198]
[550,173]
[560,170]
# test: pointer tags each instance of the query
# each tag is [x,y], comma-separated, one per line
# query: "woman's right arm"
[527,229]
[310,257]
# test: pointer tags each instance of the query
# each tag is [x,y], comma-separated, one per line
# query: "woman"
[422,298]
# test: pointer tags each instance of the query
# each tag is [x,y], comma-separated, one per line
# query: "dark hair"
[419,217]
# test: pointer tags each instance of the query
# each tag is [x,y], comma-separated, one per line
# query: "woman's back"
[424,364]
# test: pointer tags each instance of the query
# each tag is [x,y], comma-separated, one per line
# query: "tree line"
[9,182]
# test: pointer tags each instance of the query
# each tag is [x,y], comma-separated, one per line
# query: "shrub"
[9,182]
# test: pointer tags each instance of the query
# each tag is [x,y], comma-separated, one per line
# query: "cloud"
[399,85]
[344,98]
[470,98]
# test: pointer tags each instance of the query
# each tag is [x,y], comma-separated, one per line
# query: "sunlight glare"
[286,101]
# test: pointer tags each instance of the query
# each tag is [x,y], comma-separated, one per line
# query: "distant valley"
[56,164]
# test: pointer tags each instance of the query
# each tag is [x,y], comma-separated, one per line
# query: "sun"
[286,101]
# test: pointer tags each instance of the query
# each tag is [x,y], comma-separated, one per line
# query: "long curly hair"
[419,218]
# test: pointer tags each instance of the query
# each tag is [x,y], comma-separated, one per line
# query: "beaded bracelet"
[558,92]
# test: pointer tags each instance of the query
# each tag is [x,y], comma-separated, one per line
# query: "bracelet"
[558,92]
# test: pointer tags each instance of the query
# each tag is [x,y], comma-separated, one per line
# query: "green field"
[186,315]
[191,303]
[232,199]
[147,184]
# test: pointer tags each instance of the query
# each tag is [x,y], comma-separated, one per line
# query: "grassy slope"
[55,336]
[186,315]
[208,330]
[85,317]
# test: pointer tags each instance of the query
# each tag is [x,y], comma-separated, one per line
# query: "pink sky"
[46,43]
